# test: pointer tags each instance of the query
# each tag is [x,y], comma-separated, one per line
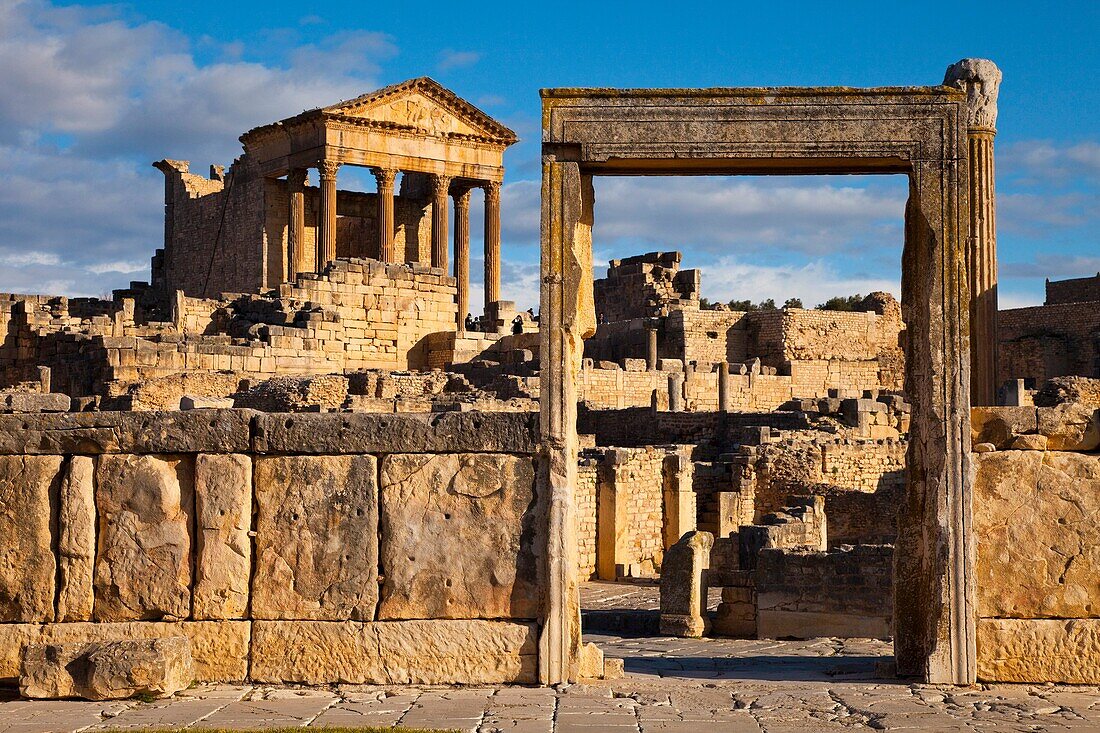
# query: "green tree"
[841,303]
[767,305]
[792,303]
[741,305]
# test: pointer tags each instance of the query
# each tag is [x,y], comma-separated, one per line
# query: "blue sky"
[90,94]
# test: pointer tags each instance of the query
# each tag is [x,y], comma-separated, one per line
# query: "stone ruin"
[305,369]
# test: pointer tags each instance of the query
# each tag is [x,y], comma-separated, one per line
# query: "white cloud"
[815,282]
[451,59]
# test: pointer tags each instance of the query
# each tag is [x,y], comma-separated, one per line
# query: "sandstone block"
[316,538]
[34,402]
[219,649]
[93,433]
[1000,425]
[1038,552]
[194,402]
[684,586]
[143,564]
[1028,442]
[111,670]
[1039,650]
[634,365]
[29,486]
[76,541]
[457,537]
[447,432]
[223,507]
[1070,427]
[394,652]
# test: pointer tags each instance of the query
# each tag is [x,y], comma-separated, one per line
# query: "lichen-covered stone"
[28,487]
[457,537]
[1039,650]
[143,564]
[219,649]
[110,670]
[316,538]
[223,507]
[93,433]
[1038,540]
[76,541]
[446,432]
[394,652]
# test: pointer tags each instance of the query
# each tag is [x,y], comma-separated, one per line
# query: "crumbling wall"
[1073,290]
[1036,483]
[1047,341]
[644,286]
[288,548]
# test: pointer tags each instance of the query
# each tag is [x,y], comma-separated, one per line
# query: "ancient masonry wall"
[1074,290]
[228,234]
[288,548]
[1048,341]
[644,286]
[1036,499]
[610,386]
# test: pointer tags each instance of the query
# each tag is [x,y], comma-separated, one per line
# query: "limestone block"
[316,538]
[634,365]
[111,670]
[394,652]
[143,563]
[458,537]
[1027,442]
[1000,425]
[774,623]
[684,586]
[92,433]
[591,662]
[446,432]
[29,486]
[1070,427]
[76,541]
[223,507]
[195,402]
[34,402]
[219,649]
[1038,553]
[1039,650]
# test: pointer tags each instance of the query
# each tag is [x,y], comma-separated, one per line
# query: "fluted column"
[385,178]
[296,181]
[462,254]
[981,79]
[440,185]
[492,243]
[326,223]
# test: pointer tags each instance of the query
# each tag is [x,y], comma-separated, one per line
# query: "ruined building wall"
[1036,499]
[1073,290]
[644,286]
[1047,341]
[288,548]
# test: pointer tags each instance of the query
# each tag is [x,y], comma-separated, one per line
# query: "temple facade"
[278,213]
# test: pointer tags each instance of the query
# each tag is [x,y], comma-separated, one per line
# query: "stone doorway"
[920,132]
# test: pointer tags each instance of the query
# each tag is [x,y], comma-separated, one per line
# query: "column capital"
[461,196]
[440,184]
[328,168]
[297,177]
[384,177]
[981,80]
[492,190]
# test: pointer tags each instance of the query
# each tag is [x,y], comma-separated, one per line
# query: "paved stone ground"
[672,686]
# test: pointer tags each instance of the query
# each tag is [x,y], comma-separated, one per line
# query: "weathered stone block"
[1000,425]
[1070,427]
[76,541]
[458,537]
[34,402]
[684,586]
[394,652]
[93,433]
[447,432]
[143,563]
[1039,650]
[1038,553]
[223,506]
[219,649]
[111,670]
[28,490]
[316,538]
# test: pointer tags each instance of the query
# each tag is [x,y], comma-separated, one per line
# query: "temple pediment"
[424,106]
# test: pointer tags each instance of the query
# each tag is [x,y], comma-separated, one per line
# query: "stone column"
[651,347]
[462,255]
[723,388]
[980,79]
[296,181]
[385,178]
[326,222]
[675,392]
[492,243]
[440,187]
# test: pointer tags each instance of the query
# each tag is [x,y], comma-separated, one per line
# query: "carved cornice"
[981,80]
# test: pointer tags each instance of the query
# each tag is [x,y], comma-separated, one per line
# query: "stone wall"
[288,548]
[1036,498]
[644,286]
[1047,341]
[617,386]
[1074,290]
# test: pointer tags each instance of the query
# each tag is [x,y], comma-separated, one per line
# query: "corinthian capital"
[440,185]
[980,79]
[328,168]
[385,177]
[492,190]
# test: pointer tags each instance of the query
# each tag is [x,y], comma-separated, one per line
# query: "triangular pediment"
[424,106]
